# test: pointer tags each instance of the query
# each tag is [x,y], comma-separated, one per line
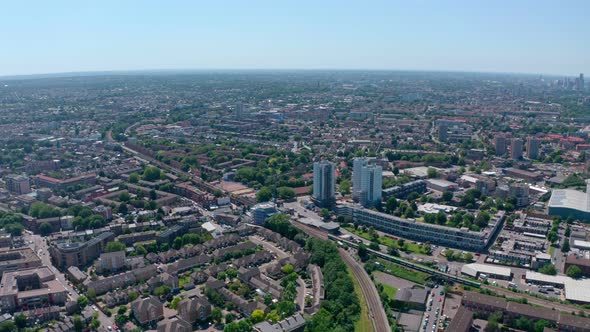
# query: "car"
[110,328]
[115,327]
[442,292]
[440,300]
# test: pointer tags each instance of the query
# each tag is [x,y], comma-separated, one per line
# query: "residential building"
[500,145]
[405,189]
[324,184]
[532,147]
[462,321]
[65,253]
[18,259]
[520,191]
[147,310]
[18,184]
[576,260]
[174,324]
[516,149]
[110,262]
[194,309]
[31,288]
[419,231]
[367,182]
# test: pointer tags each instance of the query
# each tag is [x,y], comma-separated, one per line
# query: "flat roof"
[568,198]
[473,268]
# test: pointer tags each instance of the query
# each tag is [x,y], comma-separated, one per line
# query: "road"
[433,311]
[39,245]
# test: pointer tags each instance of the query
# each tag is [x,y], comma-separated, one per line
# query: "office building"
[18,184]
[532,147]
[580,83]
[500,145]
[262,211]
[324,184]
[516,149]
[367,181]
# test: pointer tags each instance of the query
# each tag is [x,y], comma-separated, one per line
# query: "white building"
[367,182]
[324,184]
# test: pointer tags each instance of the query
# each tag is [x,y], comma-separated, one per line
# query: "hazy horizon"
[528,37]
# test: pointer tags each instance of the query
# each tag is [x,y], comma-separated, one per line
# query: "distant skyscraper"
[532,147]
[324,184]
[239,111]
[580,86]
[516,149]
[500,145]
[366,182]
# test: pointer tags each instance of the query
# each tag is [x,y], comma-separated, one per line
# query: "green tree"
[174,302]
[216,315]
[548,269]
[257,316]
[151,173]
[7,326]
[20,321]
[345,187]
[566,246]
[124,197]
[287,269]
[391,205]
[363,252]
[133,178]
[162,290]
[264,194]
[574,272]
[45,229]
[78,323]
[114,246]
[82,301]
[153,195]
[285,193]
[432,173]
[540,325]
[447,196]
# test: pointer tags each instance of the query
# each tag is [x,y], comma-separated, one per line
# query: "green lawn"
[387,241]
[183,281]
[364,322]
[551,250]
[389,290]
[399,271]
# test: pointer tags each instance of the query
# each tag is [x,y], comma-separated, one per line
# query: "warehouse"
[491,271]
[567,203]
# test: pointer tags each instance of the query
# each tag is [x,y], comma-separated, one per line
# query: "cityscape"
[294,167]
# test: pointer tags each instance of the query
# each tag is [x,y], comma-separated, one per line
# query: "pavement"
[434,310]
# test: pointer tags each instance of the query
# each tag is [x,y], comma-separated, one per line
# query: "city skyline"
[457,36]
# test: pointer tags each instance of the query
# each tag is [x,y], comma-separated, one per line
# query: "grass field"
[386,241]
[389,290]
[364,322]
[399,271]
[551,250]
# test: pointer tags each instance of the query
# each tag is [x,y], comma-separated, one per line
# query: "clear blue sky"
[531,36]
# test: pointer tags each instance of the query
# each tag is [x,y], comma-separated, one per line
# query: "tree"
[82,301]
[95,324]
[285,193]
[216,315]
[548,269]
[345,187]
[45,229]
[114,246]
[447,196]
[133,178]
[7,326]
[123,208]
[20,321]
[287,269]
[540,325]
[566,246]
[122,310]
[229,318]
[124,197]
[153,195]
[78,324]
[413,196]
[468,257]
[162,290]
[391,205]
[324,213]
[568,231]
[264,194]
[574,272]
[151,173]
[257,316]
[174,302]
[363,252]
[431,172]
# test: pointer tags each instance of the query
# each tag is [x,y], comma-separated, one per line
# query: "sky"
[517,36]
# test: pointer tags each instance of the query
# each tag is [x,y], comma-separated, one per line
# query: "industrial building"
[476,270]
[567,203]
